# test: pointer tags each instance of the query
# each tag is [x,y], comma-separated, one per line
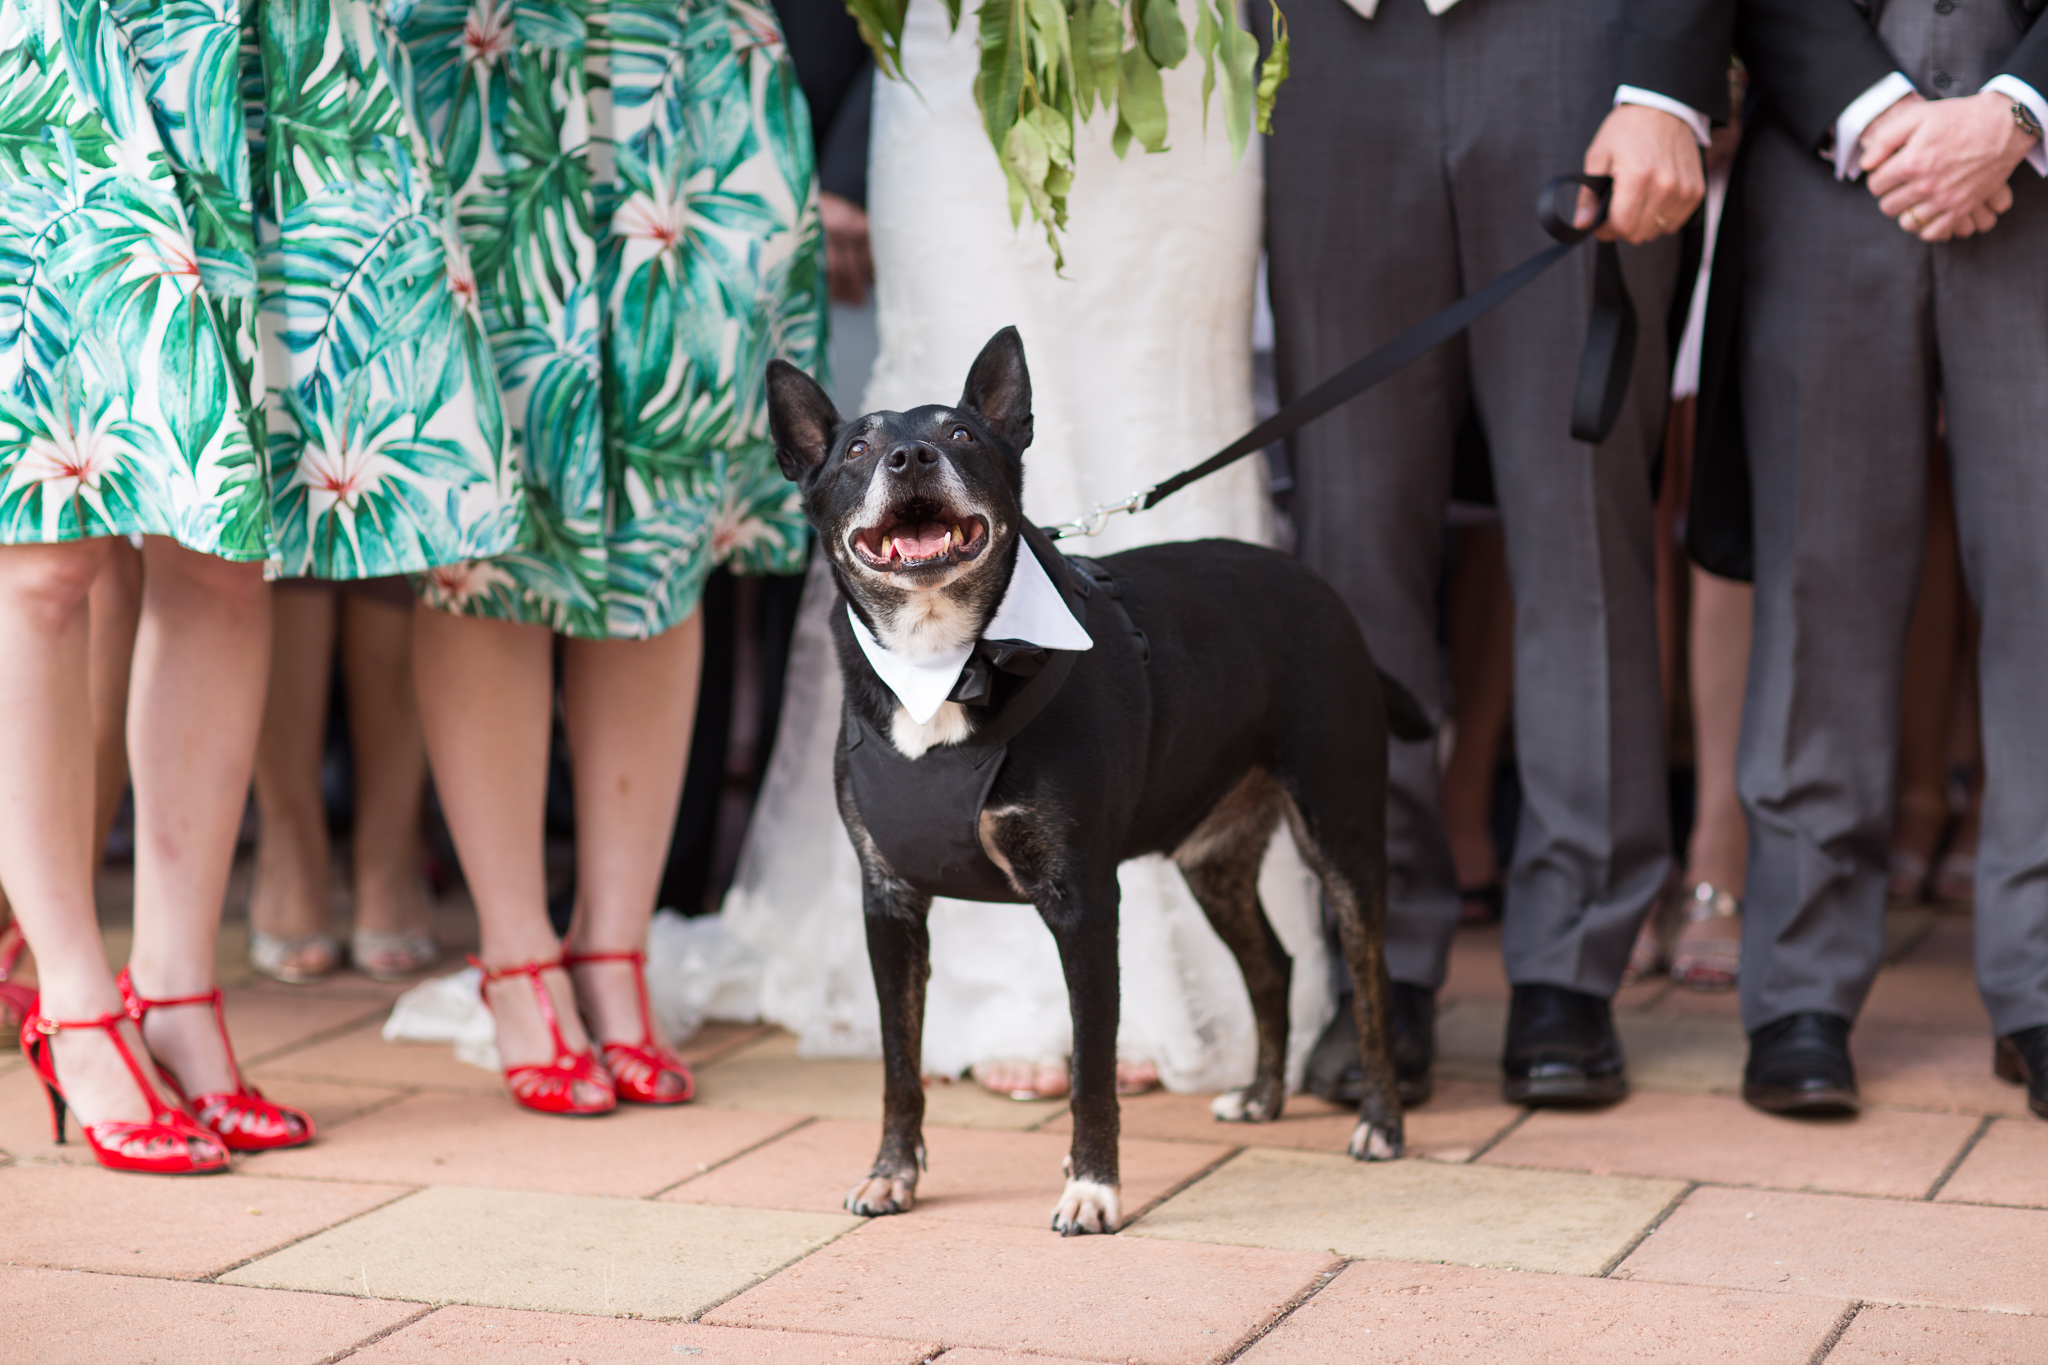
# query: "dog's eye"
[857,448]
[962,434]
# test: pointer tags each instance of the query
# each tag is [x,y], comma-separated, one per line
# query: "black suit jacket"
[1808,60]
[838,78]
[1680,48]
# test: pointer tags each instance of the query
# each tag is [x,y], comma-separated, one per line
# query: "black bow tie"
[977,678]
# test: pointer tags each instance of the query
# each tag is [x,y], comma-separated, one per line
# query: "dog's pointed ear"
[999,388]
[800,417]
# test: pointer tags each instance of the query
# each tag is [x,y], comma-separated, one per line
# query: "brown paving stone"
[1396,1314]
[1459,1119]
[266,1017]
[715,1040]
[1414,1211]
[507,1336]
[1921,1068]
[1721,1139]
[331,1104]
[975,1355]
[76,1218]
[362,1057]
[1094,1298]
[974,1175]
[1885,1250]
[769,1075]
[1474,971]
[442,1139]
[552,1252]
[64,1317]
[2009,1165]
[1940,1336]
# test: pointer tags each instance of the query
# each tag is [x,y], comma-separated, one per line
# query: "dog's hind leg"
[1352,864]
[1220,862]
[1082,914]
[899,954]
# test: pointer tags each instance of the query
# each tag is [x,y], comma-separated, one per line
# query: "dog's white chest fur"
[948,725]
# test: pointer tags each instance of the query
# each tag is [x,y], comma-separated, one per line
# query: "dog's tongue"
[923,542]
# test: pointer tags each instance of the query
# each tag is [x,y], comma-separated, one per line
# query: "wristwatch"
[2024,117]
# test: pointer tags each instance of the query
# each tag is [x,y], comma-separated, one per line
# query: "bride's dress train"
[1140,365]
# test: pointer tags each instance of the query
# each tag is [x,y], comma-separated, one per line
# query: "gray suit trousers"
[1403,171]
[1851,331]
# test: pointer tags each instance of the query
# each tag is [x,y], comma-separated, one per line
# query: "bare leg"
[202,657]
[486,698]
[1481,612]
[116,607]
[289,897]
[46,810]
[1921,806]
[1707,952]
[1719,849]
[391,772]
[628,707]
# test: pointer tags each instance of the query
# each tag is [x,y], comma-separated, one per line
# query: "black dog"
[1227,687]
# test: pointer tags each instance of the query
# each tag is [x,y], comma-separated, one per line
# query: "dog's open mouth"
[920,535]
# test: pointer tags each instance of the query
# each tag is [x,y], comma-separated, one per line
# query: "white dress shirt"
[1867,106]
[1032,610]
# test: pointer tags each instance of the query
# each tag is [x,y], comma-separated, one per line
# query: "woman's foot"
[612,989]
[393,938]
[188,1043]
[1918,822]
[1017,1079]
[1136,1078]
[289,939]
[1707,953]
[294,961]
[542,1053]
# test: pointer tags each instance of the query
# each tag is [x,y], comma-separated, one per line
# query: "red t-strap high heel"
[170,1143]
[245,1121]
[644,1072]
[551,1087]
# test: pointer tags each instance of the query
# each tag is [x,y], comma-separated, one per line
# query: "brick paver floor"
[433,1221]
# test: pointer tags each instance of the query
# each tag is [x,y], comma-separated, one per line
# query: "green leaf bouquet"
[1045,63]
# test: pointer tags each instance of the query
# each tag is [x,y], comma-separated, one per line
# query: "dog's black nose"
[901,457]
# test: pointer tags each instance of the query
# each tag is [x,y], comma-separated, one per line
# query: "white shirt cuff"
[2019,92]
[1702,129]
[1864,108]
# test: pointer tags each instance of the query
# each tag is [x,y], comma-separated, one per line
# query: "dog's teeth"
[957,538]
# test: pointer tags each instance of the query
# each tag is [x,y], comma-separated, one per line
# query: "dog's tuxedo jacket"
[924,813]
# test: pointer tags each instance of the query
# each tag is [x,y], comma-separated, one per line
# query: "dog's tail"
[1405,716]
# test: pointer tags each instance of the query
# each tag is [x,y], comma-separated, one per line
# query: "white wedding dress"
[1140,365]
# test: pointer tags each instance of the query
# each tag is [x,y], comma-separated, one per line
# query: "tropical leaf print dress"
[634,183]
[234,308]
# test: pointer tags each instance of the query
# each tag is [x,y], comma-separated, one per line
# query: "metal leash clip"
[1091,523]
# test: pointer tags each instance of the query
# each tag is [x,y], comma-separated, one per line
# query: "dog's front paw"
[880,1194]
[1371,1142]
[1087,1206]
[1256,1103]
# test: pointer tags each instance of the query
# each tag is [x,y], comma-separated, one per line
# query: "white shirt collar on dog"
[1032,610]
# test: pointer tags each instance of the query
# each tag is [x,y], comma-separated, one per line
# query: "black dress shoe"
[1561,1049]
[1334,1071]
[2022,1058]
[1800,1065]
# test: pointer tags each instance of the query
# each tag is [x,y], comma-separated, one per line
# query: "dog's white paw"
[1086,1206]
[880,1194]
[1369,1143]
[1249,1105]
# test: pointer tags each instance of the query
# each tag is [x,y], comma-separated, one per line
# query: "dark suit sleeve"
[1679,49]
[843,147]
[2029,61]
[1811,59]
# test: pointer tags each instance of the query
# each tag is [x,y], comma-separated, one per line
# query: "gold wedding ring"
[1912,220]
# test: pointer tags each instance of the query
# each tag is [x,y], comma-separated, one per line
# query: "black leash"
[1603,366]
